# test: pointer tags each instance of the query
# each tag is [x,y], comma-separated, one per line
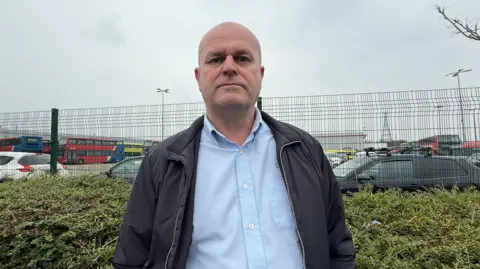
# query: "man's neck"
[234,125]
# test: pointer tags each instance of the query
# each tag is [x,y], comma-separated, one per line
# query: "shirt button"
[251,226]
[241,151]
[245,186]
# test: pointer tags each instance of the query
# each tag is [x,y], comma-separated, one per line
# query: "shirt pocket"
[282,214]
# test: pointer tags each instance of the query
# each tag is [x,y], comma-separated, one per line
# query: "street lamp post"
[457,74]
[474,122]
[438,118]
[163,106]
[475,125]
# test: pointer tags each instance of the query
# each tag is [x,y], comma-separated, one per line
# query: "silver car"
[126,170]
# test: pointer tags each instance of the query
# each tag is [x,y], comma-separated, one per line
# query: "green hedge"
[73,223]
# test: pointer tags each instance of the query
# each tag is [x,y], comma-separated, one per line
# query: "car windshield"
[345,168]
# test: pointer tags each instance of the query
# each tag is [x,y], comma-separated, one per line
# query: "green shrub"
[430,229]
[73,222]
[57,222]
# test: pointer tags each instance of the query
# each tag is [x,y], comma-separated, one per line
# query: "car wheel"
[81,161]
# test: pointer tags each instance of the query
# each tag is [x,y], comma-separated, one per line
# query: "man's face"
[229,72]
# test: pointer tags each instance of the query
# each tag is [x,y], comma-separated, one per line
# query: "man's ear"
[262,71]
[197,77]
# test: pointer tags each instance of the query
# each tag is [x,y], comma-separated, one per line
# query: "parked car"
[126,170]
[343,157]
[334,159]
[406,171]
[364,154]
[17,165]
[474,159]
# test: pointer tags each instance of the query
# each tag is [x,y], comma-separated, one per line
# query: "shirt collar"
[257,124]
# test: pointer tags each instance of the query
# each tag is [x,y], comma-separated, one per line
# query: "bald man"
[237,189]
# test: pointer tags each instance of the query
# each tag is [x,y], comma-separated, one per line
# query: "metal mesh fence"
[135,123]
[344,124]
[410,115]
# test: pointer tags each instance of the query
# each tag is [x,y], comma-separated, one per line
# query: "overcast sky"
[75,54]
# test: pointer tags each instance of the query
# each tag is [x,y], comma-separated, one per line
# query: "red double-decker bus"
[440,144]
[471,144]
[47,145]
[79,150]
[466,149]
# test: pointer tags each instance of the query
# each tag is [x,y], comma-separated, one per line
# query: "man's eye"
[215,60]
[242,59]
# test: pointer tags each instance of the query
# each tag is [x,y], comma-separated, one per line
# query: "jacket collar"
[283,133]
[182,145]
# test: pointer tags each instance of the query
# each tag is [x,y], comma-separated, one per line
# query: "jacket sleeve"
[342,249]
[133,243]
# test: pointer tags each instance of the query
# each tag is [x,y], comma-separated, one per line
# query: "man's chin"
[233,99]
[233,103]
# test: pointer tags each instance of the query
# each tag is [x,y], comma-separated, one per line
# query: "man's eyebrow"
[244,51]
[214,53]
[217,53]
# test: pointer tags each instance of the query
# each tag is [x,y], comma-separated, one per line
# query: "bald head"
[227,30]
[229,72]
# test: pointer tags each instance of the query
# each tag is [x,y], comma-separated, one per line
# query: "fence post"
[54,141]
[259,103]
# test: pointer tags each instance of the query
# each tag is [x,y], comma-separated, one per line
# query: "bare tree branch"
[469,29]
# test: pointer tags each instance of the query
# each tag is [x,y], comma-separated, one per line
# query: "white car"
[17,165]
[364,154]
[475,159]
[334,159]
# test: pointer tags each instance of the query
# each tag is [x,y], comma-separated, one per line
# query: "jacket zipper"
[290,199]
[173,240]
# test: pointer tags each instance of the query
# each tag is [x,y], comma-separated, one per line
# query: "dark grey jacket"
[158,223]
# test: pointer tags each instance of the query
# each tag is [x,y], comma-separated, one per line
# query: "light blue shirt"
[242,214]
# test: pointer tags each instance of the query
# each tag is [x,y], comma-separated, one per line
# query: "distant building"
[339,141]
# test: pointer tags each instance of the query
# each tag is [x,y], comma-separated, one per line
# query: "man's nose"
[229,67]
